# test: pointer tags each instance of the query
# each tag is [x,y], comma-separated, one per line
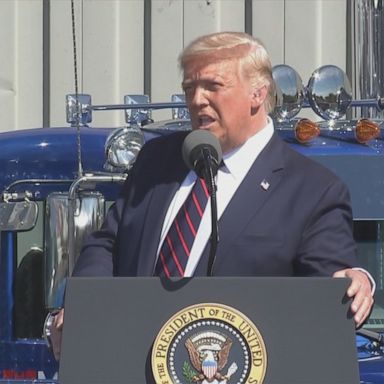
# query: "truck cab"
[58,182]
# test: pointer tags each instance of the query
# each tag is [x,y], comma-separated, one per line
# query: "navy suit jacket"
[301,225]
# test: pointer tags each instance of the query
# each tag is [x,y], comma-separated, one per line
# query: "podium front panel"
[302,332]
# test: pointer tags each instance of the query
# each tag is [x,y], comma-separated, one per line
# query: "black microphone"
[200,147]
[202,153]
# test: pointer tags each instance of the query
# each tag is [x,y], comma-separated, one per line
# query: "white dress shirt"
[237,164]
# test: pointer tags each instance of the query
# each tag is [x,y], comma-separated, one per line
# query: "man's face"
[219,99]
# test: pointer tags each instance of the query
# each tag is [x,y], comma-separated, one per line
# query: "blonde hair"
[253,58]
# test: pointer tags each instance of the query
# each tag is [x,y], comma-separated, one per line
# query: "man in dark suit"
[280,214]
[299,223]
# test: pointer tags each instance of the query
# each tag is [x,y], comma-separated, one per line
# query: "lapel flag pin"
[264,184]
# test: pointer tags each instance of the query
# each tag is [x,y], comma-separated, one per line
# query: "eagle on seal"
[210,360]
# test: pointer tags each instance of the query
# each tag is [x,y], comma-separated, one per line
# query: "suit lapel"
[256,188]
[152,224]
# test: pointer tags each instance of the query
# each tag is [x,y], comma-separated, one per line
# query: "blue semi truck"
[56,184]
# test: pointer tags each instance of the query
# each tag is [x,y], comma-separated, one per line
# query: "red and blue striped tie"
[174,252]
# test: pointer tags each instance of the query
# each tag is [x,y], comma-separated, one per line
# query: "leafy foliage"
[188,372]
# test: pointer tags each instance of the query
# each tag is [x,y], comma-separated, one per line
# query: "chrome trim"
[78,109]
[73,243]
[87,216]
[179,113]
[47,328]
[170,125]
[137,115]
[18,215]
[368,53]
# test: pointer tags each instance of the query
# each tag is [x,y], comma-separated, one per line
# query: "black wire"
[79,156]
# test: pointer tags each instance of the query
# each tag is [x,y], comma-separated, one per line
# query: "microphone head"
[193,149]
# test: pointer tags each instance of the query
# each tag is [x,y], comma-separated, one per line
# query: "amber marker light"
[366,130]
[306,130]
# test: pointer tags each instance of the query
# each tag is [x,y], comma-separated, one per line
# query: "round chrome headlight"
[289,92]
[122,147]
[329,92]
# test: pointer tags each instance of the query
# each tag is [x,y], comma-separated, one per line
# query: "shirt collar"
[238,161]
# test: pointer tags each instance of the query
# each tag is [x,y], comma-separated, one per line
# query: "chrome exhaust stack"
[366,52]
[88,213]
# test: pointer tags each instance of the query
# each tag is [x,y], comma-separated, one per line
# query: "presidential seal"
[209,344]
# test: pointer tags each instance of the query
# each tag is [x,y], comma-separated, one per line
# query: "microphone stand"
[209,177]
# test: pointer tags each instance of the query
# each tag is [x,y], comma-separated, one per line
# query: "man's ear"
[258,96]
